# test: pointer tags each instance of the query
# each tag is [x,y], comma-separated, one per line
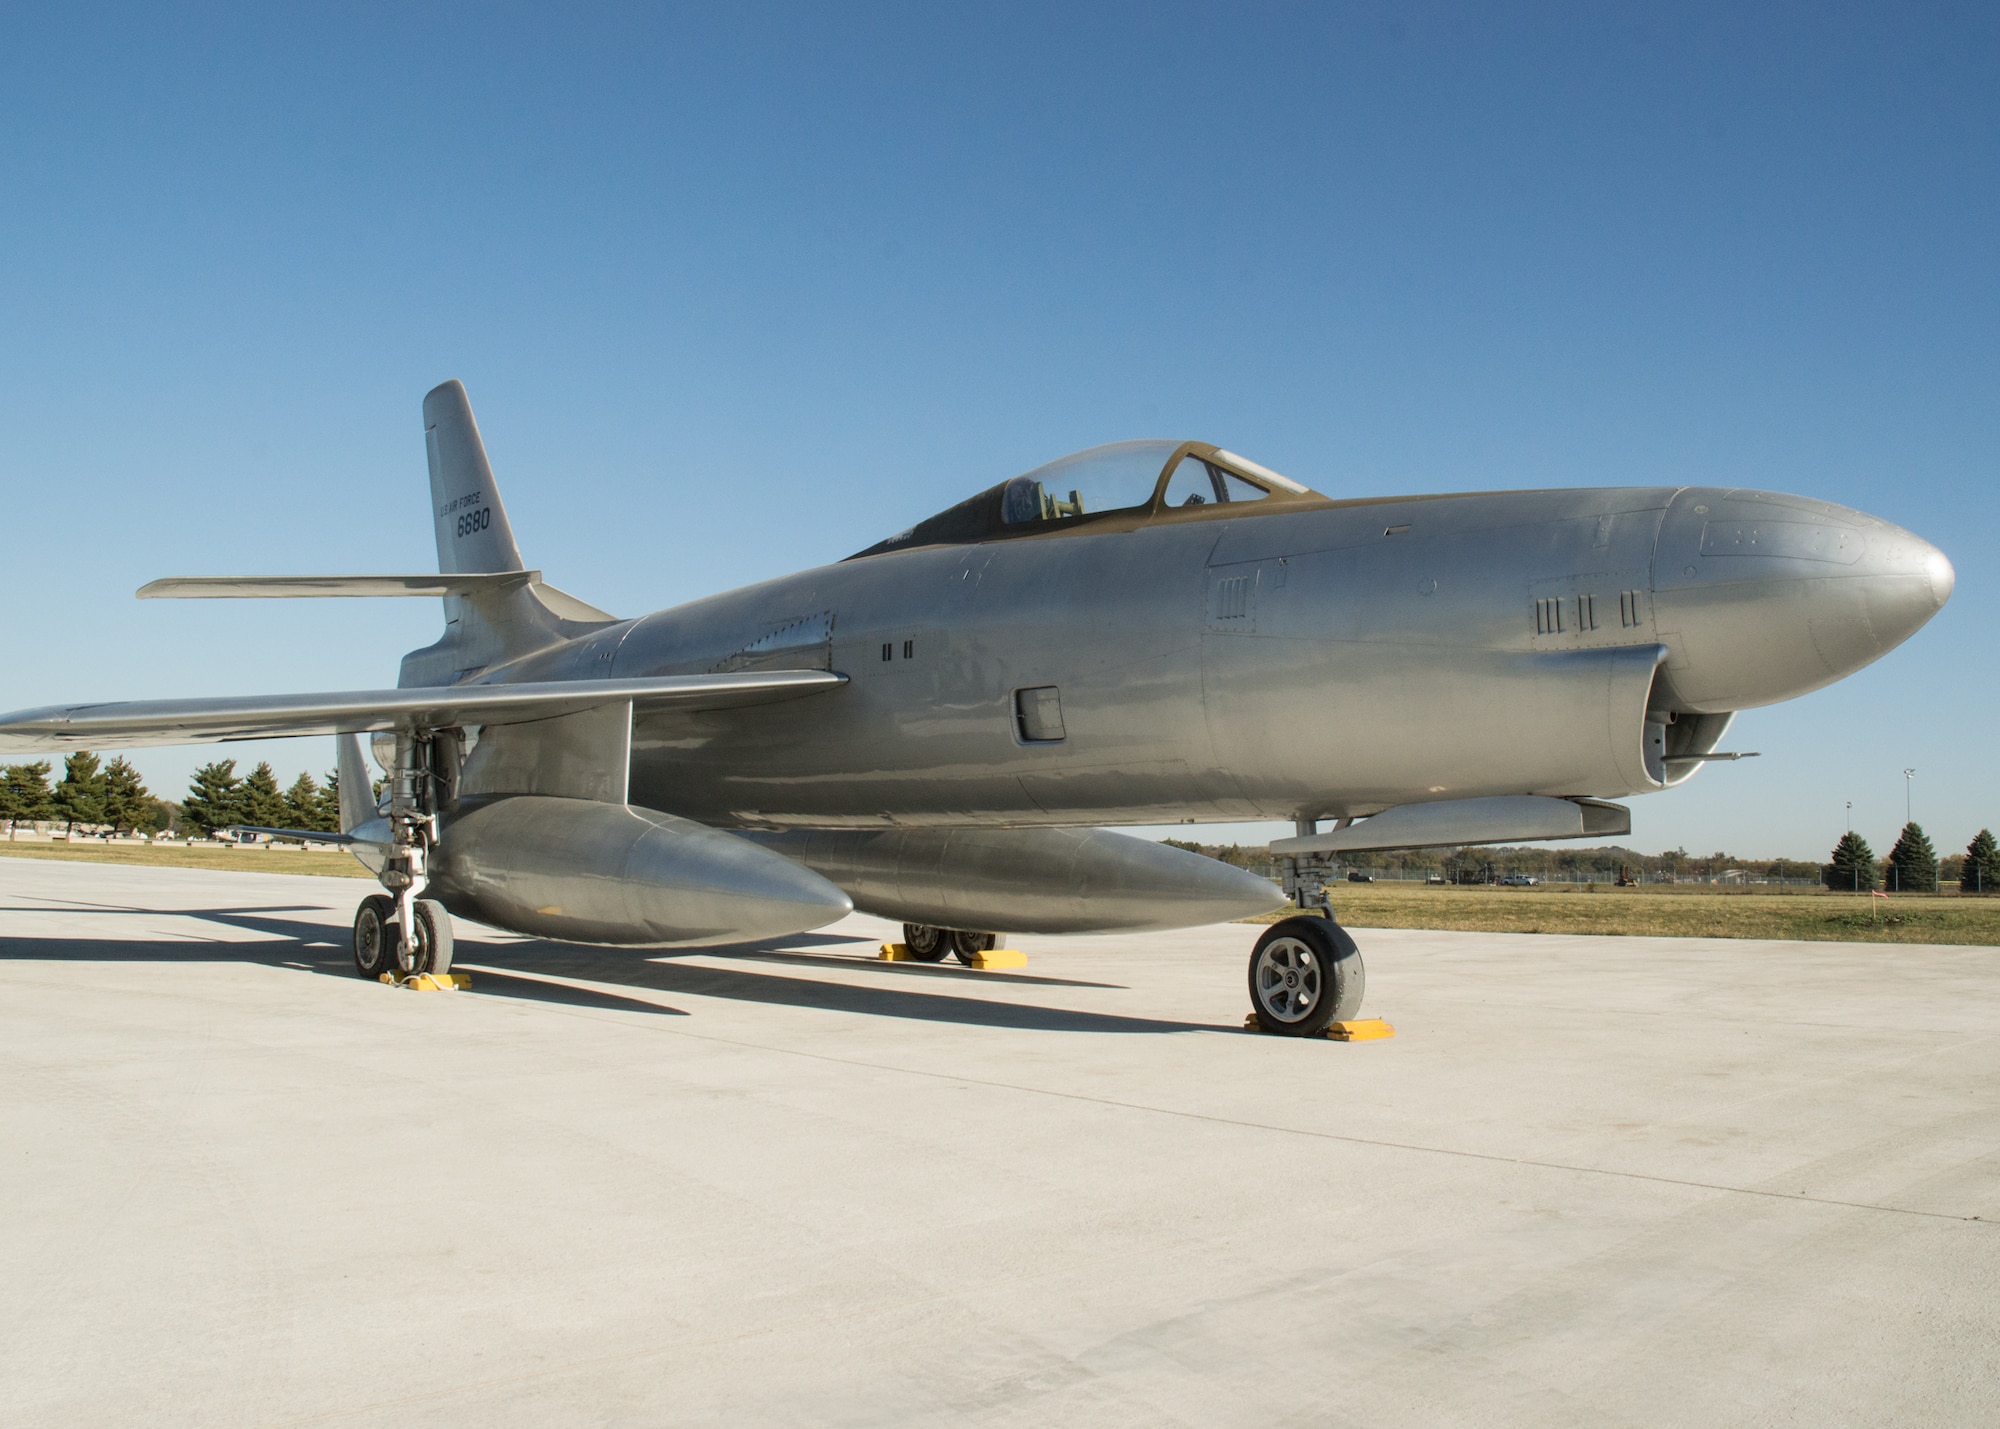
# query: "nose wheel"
[1305,973]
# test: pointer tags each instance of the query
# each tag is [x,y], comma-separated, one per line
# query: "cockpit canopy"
[1143,478]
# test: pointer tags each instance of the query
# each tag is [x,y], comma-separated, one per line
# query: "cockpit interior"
[1140,481]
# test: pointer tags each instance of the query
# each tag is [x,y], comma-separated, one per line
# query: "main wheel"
[439,935]
[967,947]
[926,944]
[431,952]
[1304,973]
[374,939]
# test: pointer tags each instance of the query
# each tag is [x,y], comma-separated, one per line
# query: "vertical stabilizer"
[482,628]
[472,530]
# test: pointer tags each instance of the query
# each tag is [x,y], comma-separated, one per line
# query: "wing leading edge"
[139,723]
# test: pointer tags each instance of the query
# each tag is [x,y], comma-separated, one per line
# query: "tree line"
[95,795]
[1912,865]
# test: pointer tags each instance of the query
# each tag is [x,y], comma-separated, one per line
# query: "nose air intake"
[1761,597]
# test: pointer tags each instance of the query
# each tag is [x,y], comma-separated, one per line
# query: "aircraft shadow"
[291,944]
[528,969]
[668,974]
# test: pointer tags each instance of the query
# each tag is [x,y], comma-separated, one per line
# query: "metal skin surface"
[608,873]
[1385,653]
[1025,880]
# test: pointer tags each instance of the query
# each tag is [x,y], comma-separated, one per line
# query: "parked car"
[1355,875]
[1437,878]
[1519,880]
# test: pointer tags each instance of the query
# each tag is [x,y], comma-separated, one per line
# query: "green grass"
[245,859]
[1673,911]
[1664,910]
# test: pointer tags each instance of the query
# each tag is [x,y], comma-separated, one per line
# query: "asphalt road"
[1590,1182]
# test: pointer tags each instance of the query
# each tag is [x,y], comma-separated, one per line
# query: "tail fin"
[482,627]
[473,534]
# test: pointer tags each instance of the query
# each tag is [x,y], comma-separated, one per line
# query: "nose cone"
[1760,597]
[1937,570]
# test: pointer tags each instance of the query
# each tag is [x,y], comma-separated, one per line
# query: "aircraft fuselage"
[1330,660]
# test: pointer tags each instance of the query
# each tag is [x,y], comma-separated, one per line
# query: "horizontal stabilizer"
[1510,818]
[304,836]
[476,583]
[213,721]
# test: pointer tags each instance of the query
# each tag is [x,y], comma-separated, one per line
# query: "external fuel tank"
[593,872]
[1026,880]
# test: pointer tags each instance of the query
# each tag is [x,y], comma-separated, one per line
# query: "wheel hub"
[1288,980]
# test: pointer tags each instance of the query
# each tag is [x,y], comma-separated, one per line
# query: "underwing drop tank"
[1026,880]
[593,872]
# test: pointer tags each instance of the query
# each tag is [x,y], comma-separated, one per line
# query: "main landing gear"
[401,932]
[930,945]
[379,946]
[1305,973]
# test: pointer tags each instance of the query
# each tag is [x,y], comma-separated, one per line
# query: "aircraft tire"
[926,944]
[438,934]
[374,943]
[967,947]
[1304,973]
[432,953]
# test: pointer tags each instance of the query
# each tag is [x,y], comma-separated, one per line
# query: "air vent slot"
[1038,715]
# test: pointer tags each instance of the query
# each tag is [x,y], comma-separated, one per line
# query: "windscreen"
[1199,483]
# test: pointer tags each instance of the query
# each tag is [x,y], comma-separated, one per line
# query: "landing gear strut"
[929,945]
[402,932]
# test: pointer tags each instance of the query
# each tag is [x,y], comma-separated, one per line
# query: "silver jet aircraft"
[934,729]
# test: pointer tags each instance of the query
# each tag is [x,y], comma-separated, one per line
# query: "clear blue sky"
[738,290]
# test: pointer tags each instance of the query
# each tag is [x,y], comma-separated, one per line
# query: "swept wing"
[137,723]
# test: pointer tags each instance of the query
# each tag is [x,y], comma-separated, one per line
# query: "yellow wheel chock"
[430,982]
[1364,1029]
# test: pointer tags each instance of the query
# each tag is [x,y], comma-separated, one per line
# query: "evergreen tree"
[214,799]
[329,803]
[127,805]
[159,816]
[1912,863]
[79,799]
[302,803]
[25,793]
[1982,865]
[262,801]
[1853,865]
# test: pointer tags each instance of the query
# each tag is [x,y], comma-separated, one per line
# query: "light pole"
[1908,775]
